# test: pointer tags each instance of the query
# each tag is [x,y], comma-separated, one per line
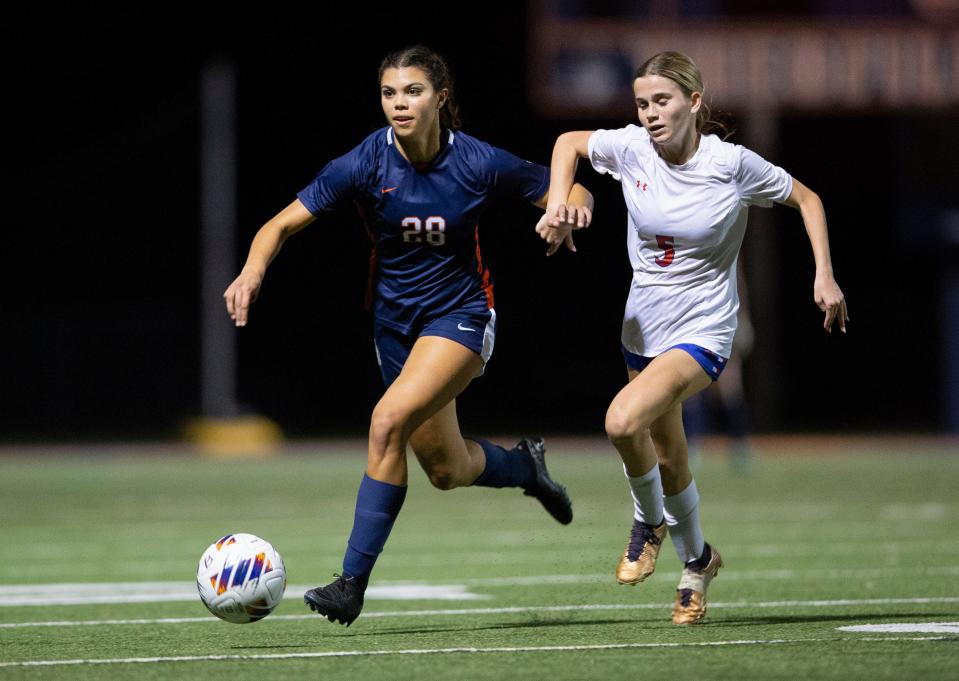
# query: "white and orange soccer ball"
[241,578]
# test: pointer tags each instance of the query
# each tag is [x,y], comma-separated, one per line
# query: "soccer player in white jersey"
[688,194]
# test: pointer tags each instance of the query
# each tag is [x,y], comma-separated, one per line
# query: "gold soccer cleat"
[690,604]
[639,558]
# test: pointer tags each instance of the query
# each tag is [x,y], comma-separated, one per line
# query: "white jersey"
[686,224]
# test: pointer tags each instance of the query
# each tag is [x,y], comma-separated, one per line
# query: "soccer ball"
[241,578]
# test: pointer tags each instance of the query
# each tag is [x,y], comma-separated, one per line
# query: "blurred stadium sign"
[584,67]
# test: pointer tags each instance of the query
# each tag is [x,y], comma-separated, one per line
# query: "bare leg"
[640,423]
[660,388]
[436,371]
[448,459]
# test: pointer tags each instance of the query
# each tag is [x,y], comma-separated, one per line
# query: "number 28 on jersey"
[432,231]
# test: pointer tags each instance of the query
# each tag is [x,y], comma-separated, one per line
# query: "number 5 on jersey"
[435,231]
[666,243]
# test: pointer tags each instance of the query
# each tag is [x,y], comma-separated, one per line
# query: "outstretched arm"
[826,291]
[568,206]
[266,244]
[569,148]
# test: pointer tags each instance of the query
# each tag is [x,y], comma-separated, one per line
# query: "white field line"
[905,628]
[904,638]
[414,651]
[168,592]
[449,651]
[156,592]
[506,611]
[423,558]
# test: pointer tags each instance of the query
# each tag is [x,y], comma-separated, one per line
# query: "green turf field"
[815,537]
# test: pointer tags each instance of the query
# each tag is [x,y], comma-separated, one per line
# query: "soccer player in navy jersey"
[421,186]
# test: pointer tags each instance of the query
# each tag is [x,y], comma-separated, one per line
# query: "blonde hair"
[682,70]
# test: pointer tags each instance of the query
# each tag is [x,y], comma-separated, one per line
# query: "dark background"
[100,315]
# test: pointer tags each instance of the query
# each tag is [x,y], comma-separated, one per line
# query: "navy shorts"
[473,328]
[711,363]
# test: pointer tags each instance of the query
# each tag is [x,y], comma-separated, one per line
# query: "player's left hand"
[829,299]
[555,236]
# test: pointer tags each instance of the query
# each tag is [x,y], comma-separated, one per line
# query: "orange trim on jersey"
[483,271]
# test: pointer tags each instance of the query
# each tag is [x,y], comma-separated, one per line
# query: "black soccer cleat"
[550,493]
[340,601]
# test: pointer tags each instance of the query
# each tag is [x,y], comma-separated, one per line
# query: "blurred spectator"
[722,408]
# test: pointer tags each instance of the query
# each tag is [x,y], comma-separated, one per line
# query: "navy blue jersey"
[424,219]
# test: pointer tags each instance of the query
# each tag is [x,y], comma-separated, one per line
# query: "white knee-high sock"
[682,517]
[647,492]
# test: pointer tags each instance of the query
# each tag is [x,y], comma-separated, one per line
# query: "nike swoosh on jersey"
[464,328]
[384,190]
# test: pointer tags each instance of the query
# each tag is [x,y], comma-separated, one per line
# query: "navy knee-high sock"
[377,505]
[513,468]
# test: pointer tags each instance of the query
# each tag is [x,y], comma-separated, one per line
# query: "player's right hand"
[241,294]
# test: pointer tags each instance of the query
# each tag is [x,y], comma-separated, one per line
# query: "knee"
[443,478]
[622,426]
[441,460]
[387,425]
[671,465]
[440,468]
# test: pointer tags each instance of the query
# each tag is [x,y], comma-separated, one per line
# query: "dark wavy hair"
[438,72]
[683,71]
